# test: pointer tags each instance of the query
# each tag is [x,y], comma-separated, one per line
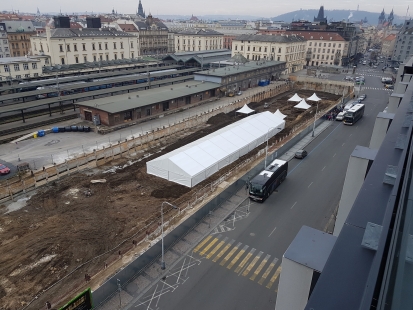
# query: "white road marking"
[323,168]
[310,185]
[351,134]
[272,231]
[334,154]
[294,205]
[343,144]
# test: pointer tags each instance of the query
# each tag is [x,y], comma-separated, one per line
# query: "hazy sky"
[262,8]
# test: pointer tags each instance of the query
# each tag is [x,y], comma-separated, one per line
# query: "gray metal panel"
[385,115]
[364,152]
[311,248]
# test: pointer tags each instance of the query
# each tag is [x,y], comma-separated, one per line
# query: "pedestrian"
[106,265]
[120,254]
[48,305]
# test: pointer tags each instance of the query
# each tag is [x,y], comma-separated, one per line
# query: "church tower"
[140,13]
[382,18]
[390,18]
[320,17]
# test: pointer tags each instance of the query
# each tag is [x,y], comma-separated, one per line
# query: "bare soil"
[61,227]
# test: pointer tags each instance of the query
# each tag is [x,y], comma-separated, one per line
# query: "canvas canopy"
[314,97]
[302,105]
[295,98]
[279,114]
[245,110]
[196,161]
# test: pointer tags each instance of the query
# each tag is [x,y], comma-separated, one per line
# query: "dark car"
[300,154]
[4,169]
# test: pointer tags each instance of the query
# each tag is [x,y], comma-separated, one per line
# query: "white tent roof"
[196,161]
[302,105]
[245,110]
[314,97]
[295,98]
[279,114]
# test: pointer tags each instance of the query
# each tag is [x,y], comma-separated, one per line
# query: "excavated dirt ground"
[61,228]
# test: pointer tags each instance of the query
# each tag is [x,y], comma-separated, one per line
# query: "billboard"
[83,301]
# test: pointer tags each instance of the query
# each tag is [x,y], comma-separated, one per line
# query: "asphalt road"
[249,279]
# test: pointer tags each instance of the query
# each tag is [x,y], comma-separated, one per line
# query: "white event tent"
[295,98]
[196,161]
[279,114]
[245,110]
[302,105]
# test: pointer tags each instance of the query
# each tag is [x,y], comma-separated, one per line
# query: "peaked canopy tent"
[314,97]
[245,110]
[295,98]
[196,161]
[279,114]
[302,105]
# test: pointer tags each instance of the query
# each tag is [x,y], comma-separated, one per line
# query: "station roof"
[249,66]
[147,97]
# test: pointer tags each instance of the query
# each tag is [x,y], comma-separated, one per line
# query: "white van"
[340,116]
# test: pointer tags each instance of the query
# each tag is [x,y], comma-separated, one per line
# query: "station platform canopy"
[196,161]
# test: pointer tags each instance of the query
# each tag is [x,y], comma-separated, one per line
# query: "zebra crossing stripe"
[258,270]
[267,272]
[223,251]
[274,277]
[252,264]
[202,253]
[199,246]
[224,261]
[216,248]
[237,257]
[244,261]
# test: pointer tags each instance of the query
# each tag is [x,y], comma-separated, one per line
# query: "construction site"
[77,230]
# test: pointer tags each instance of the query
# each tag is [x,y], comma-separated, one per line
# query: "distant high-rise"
[141,12]
[320,17]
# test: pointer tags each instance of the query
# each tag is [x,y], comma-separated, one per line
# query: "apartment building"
[18,34]
[4,42]
[72,46]
[388,44]
[198,40]
[22,67]
[288,48]
[404,42]
[153,36]
[323,48]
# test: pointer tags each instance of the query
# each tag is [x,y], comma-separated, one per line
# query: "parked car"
[363,96]
[340,116]
[389,86]
[239,93]
[4,169]
[300,154]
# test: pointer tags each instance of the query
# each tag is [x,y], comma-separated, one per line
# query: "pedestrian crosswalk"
[378,88]
[240,258]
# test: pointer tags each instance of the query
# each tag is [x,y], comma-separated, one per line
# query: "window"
[106,47]
[61,47]
[265,50]
[75,47]
[248,48]
[328,51]
[121,44]
[236,47]
[46,62]
[148,112]
[100,46]
[62,61]
[272,50]
[131,45]
[334,45]
[324,50]
[77,59]
[94,57]
[107,57]
[68,47]
[6,68]
[93,46]
[101,57]
[278,58]
[84,46]
[121,56]
[34,65]
[133,55]
[84,58]
[329,44]
[253,49]
[242,48]
[339,45]
[279,51]
[332,51]
[36,74]
[325,44]
[25,66]
[18,76]
[114,45]
[116,56]
[16,67]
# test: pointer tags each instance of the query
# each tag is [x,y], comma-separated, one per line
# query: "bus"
[265,182]
[354,114]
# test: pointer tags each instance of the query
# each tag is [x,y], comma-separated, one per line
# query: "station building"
[146,104]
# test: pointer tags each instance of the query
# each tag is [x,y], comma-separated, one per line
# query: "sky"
[259,8]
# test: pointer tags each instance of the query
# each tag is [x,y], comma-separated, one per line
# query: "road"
[58,147]
[239,268]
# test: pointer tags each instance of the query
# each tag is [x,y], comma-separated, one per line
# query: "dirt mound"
[171,191]
[220,118]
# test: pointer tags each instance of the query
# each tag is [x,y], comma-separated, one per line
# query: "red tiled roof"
[390,37]
[128,27]
[74,25]
[318,35]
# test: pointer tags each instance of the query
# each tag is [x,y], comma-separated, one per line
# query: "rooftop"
[270,38]
[19,26]
[318,35]
[115,104]
[85,32]
[200,32]
[249,66]
[11,60]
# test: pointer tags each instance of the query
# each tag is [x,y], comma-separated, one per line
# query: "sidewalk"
[136,289]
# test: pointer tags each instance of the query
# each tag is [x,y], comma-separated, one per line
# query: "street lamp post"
[163,261]
[315,117]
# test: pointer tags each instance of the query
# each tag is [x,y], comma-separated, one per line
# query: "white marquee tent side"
[196,161]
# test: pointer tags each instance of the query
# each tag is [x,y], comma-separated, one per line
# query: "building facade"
[19,68]
[18,34]
[198,40]
[288,48]
[4,42]
[153,36]
[73,46]
[388,44]
[404,42]
[323,48]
